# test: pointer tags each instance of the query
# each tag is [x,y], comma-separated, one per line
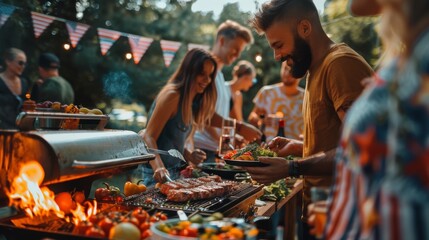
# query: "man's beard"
[301,57]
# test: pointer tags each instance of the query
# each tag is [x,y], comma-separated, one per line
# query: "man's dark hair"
[232,30]
[283,10]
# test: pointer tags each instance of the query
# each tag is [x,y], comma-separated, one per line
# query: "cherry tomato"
[79,197]
[153,219]
[140,214]
[64,201]
[163,217]
[95,232]
[146,234]
[144,226]
[132,220]
[81,227]
[106,224]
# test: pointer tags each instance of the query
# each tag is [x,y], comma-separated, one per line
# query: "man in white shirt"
[231,40]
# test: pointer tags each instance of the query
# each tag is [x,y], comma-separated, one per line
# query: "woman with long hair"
[12,87]
[243,78]
[184,104]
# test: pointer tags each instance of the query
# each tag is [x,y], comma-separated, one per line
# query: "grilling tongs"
[172,152]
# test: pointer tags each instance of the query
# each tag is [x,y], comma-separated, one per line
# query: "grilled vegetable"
[276,191]
[109,193]
[133,188]
[251,152]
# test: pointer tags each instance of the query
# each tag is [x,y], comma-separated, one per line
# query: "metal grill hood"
[66,155]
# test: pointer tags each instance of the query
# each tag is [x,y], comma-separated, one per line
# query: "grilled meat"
[196,188]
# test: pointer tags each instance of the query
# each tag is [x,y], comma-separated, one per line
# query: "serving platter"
[224,170]
[245,163]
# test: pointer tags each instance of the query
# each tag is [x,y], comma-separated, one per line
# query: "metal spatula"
[172,152]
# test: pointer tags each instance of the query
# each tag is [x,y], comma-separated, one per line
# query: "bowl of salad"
[198,227]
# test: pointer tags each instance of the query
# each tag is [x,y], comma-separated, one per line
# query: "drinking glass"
[319,195]
[227,136]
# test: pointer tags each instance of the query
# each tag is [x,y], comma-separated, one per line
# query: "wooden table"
[291,202]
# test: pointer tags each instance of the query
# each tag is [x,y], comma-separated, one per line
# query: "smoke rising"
[117,85]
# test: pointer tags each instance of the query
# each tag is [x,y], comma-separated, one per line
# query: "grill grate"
[153,198]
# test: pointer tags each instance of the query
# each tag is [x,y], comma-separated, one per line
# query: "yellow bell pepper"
[133,188]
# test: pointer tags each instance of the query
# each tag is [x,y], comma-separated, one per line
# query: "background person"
[285,97]
[12,87]
[51,86]
[335,71]
[243,78]
[231,39]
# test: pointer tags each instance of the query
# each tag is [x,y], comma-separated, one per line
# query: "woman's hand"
[197,157]
[249,132]
[160,175]
[285,146]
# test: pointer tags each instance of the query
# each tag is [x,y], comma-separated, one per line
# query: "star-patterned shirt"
[381,188]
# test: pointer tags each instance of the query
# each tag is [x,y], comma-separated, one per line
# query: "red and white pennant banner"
[5,12]
[107,38]
[40,22]
[139,45]
[169,49]
[76,31]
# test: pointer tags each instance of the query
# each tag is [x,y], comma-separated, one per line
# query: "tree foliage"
[100,80]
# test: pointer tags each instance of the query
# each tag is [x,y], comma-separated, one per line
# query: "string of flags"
[107,37]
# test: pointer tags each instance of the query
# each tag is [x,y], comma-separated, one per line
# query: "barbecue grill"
[73,159]
[234,204]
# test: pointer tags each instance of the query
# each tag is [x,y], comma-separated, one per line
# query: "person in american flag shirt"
[381,188]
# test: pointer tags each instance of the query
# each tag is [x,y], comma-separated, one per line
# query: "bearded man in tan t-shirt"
[335,72]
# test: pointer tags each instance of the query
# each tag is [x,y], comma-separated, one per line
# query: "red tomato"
[153,219]
[106,224]
[81,227]
[132,220]
[140,214]
[163,217]
[184,232]
[146,234]
[192,232]
[144,226]
[79,197]
[64,201]
[95,232]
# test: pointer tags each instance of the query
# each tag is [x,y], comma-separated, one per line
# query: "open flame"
[26,194]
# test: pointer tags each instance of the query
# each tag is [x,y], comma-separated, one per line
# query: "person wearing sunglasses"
[12,87]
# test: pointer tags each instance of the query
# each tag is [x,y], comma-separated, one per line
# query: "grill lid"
[67,155]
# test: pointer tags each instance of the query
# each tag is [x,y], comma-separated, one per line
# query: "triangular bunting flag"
[5,12]
[194,45]
[40,22]
[139,45]
[76,31]
[107,38]
[169,49]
